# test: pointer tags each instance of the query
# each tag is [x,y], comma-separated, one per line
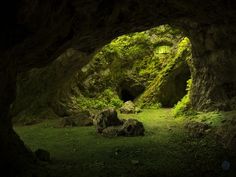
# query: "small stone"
[105,119]
[128,108]
[111,131]
[132,127]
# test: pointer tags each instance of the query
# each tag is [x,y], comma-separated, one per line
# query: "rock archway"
[35,32]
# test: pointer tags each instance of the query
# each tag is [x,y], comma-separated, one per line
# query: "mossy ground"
[165,150]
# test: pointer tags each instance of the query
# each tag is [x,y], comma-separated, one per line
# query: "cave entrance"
[175,87]
[129,89]
[126,95]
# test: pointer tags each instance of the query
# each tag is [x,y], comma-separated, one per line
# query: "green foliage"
[143,58]
[107,99]
[165,150]
[160,89]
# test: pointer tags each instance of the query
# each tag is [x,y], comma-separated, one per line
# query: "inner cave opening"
[126,95]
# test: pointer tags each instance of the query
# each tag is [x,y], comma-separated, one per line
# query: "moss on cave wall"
[148,65]
[169,85]
[151,65]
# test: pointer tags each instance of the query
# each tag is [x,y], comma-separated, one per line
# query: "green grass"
[165,150]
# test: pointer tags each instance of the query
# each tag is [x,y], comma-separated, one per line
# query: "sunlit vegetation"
[149,68]
[138,62]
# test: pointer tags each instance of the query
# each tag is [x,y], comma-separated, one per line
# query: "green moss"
[165,150]
[183,107]
[147,59]
[108,98]
[162,88]
[135,62]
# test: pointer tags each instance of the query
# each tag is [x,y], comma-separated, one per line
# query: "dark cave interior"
[126,95]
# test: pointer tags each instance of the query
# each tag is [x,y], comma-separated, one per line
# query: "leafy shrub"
[108,98]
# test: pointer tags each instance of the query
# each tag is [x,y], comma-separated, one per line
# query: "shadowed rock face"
[34,32]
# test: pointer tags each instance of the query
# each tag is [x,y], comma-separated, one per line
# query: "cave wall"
[34,33]
[214,73]
[169,86]
[123,68]
[48,89]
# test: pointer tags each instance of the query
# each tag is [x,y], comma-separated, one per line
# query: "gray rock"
[106,118]
[112,131]
[132,127]
[128,108]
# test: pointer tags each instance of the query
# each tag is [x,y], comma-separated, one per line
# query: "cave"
[34,33]
[129,89]
[126,95]
[175,88]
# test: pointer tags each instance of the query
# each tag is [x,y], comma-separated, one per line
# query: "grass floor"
[166,150]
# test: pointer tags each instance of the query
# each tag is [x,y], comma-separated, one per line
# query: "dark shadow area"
[126,95]
[176,86]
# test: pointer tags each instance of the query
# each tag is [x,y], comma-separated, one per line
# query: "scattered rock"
[197,129]
[42,155]
[128,108]
[67,122]
[77,119]
[106,118]
[108,124]
[111,131]
[132,127]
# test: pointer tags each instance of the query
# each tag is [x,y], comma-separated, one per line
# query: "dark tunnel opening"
[126,95]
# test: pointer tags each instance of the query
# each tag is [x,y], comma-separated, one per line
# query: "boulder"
[132,127]
[106,118]
[42,155]
[112,131]
[128,108]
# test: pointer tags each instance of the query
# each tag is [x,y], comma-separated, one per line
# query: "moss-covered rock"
[169,85]
[147,68]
